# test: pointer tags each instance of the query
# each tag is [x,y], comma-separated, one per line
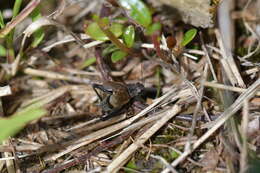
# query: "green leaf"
[10,126]
[2,23]
[88,62]
[16,8]
[138,11]
[118,55]
[38,35]
[116,29]
[109,49]
[2,51]
[153,28]
[121,19]
[129,36]
[188,36]
[96,33]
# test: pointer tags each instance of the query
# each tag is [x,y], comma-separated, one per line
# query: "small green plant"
[2,24]
[10,126]
[129,36]
[38,35]
[95,32]
[138,11]
[7,30]
[103,29]
[188,36]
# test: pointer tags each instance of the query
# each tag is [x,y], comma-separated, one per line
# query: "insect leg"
[116,111]
[102,88]
[105,105]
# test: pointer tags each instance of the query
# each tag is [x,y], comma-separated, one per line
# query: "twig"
[113,38]
[102,67]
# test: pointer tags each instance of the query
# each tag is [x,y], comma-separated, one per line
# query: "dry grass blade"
[53,75]
[228,63]
[27,33]
[68,39]
[26,11]
[50,96]
[243,150]
[9,163]
[197,108]
[226,41]
[114,128]
[122,158]
[251,30]
[225,87]
[208,58]
[213,126]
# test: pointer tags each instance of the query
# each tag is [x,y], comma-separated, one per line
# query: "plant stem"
[113,38]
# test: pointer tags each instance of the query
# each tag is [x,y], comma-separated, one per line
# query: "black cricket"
[116,97]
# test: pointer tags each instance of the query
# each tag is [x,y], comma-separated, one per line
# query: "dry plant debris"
[129,86]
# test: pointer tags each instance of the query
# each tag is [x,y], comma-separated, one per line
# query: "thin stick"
[102,66]
[197,108]
[225,87]
[207,57]
[243,150]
